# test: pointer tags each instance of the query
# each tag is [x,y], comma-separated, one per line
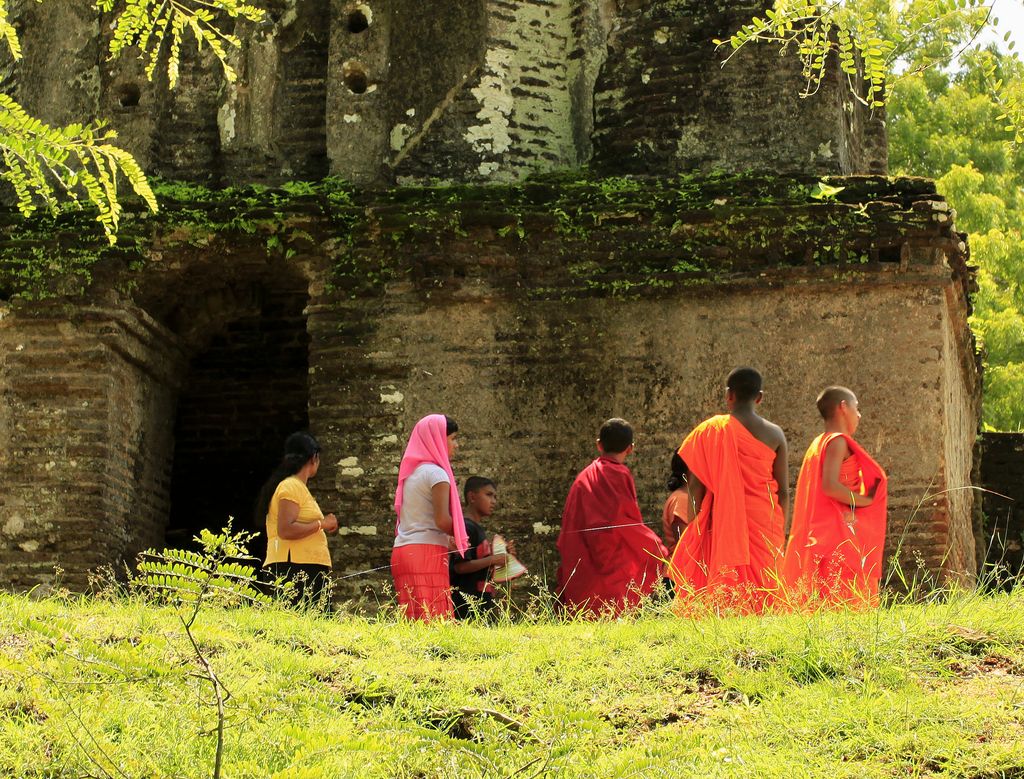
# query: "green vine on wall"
[619,236]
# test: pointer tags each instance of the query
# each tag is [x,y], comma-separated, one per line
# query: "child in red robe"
[839,516]
[610,559]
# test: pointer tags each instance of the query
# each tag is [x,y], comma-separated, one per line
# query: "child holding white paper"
[472,590]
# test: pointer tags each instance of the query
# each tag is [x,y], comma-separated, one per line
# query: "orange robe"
[729,555]
[835,552]
[674,513]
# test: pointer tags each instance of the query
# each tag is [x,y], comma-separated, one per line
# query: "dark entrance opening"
[246,390]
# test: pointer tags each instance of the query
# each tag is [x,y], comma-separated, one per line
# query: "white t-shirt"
[416,522]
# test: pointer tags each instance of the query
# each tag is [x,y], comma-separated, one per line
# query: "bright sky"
[1010,14]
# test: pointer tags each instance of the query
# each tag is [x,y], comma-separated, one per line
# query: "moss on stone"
[631,233]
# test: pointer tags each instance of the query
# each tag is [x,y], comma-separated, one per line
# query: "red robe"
[728,557]
[610,559]
[835,553]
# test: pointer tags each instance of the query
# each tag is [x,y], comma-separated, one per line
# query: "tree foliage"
[80,164]
[947,126]
[150,25]
[955,113]
[879,41]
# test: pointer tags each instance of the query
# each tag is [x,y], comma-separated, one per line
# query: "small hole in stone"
[355,80]
[890,253]
[357,21]
[128,96]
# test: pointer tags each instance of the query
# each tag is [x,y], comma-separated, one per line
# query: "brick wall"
[507,112]
[458,90]
[664,102]
[530,385]
[961,400]
[530,330]
[303,101]
[1002,472]
[87,396]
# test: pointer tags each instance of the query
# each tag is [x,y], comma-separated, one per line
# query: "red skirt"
[421,581]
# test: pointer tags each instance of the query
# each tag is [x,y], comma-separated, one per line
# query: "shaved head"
[745,384]
[831,397]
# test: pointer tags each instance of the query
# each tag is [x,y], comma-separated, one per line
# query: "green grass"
[104,688]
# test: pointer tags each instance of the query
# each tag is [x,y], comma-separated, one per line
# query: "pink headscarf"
[428,444]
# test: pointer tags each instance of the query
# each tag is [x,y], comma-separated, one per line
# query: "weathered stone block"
[454,90]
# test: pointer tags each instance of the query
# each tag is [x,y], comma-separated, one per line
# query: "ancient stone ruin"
[531,215]
[1002,534]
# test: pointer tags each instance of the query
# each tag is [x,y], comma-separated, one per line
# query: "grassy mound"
[112,689]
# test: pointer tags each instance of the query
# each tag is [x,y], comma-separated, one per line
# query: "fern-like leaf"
[190,579]
[7,31]
[819,29]
[157,27]
[78,164]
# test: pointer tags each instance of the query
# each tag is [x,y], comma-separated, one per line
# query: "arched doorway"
[246,389]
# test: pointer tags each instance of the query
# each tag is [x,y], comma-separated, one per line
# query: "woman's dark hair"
[299,448]
[450,425]
[679,471]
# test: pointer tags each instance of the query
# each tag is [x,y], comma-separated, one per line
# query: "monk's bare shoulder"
[768,433]
[839,447]
[775,434]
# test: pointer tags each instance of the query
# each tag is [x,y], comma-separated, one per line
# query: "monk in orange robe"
[835,548]
[610,559]
[729,554]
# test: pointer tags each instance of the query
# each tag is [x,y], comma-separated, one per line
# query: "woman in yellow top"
[296,527]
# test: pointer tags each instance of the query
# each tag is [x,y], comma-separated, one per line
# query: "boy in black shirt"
[472,591]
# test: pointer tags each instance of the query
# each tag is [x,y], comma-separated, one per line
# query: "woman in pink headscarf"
[429,515]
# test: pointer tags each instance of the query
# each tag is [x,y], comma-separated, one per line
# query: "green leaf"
[823,191]
[158,30]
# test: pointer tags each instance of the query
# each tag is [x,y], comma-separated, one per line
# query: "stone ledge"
[582,234]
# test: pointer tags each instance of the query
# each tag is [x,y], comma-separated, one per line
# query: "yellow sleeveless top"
[312,548]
